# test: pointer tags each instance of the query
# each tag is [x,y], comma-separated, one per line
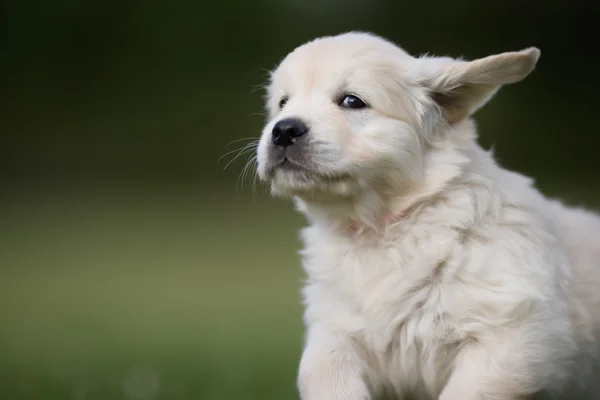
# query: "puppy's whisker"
[245,171]
[239,140]
[242,175]
[254,179]
[262,114]
[250,169]
[241,151]
[267,72]
[245,150]
[231,152]
[258,87]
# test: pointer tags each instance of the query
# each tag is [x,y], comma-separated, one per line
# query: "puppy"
[432,272]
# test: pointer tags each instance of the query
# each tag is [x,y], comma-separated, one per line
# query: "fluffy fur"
[432,272]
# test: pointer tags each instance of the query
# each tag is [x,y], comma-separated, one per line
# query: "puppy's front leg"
[484,373]
[331,369]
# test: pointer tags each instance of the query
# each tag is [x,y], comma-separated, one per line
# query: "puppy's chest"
[382,292]
[390,299]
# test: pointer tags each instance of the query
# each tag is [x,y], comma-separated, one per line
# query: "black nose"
[286,131]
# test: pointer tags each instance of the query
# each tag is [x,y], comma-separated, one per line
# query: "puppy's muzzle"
[287,131]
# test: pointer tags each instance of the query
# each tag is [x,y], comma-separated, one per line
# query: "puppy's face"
[337,118]
[354,112]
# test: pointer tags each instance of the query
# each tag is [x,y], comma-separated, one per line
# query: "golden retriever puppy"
[432,272]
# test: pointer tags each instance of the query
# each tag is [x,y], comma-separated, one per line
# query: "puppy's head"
[353,113]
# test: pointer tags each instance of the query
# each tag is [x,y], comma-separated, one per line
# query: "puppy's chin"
[305,184]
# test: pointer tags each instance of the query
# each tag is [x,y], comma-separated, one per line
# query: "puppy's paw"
[331,374]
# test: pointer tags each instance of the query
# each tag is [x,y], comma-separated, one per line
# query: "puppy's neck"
[375,210]
[371,212]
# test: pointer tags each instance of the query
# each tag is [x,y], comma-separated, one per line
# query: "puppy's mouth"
[287,164]
[294,171]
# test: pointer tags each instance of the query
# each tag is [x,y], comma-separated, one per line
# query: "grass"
[148,295]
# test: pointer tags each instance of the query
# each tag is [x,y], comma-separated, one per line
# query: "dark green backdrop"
[131,265]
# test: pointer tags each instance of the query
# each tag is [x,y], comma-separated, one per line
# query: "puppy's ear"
[461,87]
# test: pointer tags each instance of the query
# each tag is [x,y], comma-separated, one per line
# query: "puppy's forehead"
[332,60]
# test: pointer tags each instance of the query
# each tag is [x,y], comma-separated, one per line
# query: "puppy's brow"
[341,90]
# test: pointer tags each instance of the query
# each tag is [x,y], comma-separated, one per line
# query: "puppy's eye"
[283,102]
[351,101]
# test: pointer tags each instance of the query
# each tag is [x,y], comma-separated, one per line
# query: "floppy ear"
[461,87]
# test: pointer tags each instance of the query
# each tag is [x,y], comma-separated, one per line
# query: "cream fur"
[477,287]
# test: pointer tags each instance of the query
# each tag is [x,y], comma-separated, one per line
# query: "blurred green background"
[131,265]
